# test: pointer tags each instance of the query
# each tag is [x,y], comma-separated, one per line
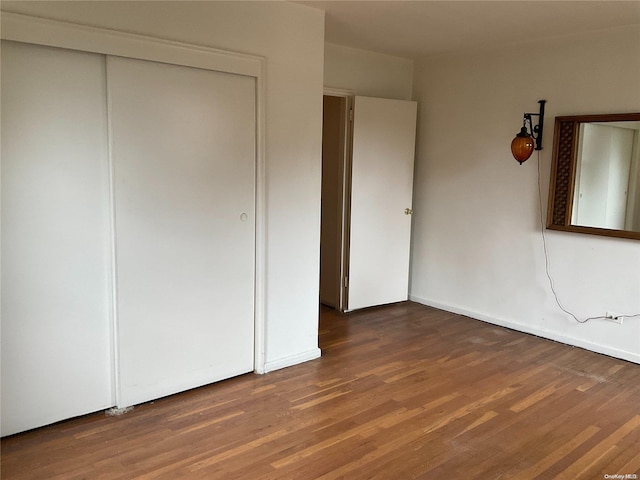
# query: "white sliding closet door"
[56,340]
[183,148]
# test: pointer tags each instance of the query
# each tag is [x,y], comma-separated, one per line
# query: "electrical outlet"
[614,317]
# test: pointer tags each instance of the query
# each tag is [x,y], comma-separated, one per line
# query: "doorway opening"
[367,182]
[334,225]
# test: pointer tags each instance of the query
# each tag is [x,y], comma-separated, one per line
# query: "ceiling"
[424,28]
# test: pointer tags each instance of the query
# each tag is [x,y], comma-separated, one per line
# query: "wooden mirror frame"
[563,174]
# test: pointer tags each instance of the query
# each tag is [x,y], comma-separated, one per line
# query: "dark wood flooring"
[401,392]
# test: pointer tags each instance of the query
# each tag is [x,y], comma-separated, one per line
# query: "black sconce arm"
[536,131]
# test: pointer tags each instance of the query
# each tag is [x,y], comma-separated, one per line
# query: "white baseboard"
[272,365]
[576,342]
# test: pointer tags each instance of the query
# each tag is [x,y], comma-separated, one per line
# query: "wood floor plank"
[401,391]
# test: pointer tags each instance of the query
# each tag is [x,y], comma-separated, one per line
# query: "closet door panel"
[183,147]
[56,338]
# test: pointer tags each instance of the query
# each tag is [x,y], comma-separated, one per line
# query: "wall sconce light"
[529,137]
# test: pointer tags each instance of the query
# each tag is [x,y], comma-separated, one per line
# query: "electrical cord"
[546,261]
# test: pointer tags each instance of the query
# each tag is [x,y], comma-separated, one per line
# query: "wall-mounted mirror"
[595,176]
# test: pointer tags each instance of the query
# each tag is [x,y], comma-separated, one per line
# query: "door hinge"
[351,114]
[346,282]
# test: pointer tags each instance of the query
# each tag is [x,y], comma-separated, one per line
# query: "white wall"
[477,247]
[367,73]
[291,38]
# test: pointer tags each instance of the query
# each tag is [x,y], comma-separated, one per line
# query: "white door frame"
[26,29]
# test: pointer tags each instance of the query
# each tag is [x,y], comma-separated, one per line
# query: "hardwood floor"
[401,392]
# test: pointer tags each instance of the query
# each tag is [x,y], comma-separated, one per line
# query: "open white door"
[384,134]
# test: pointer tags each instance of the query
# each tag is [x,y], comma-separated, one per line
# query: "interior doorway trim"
[338,92]
[53,33]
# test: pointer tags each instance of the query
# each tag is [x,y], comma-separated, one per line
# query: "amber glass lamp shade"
[522,146]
